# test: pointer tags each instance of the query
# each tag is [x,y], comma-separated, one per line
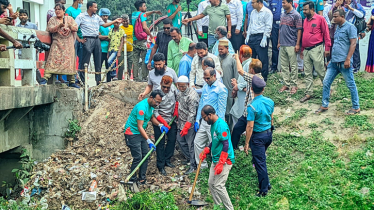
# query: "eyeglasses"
[165,87]
[157,103]
[207,79]
[166,27]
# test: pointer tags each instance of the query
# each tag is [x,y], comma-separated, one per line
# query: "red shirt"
[315,32]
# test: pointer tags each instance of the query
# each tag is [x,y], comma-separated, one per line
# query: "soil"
[100,150]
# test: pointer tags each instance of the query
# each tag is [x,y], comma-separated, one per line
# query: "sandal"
[353,112]
[320,110]
[293,90]
[284,88]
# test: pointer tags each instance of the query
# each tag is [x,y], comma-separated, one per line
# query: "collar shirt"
[155,80]
[215,47]
[249,9]
[249,94]
[236,13]
[326,9]
[89,25]
[342,41]
[216,96]
[185,66]
[275,6]
[197,72]
[260,111]
[167,105]
[205,20]
[28,25]
[316,31]
[187,108]
[261,22]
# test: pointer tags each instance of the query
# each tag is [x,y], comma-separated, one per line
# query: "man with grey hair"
[221,33]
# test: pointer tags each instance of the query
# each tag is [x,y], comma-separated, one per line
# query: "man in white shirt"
[258,34]
[236,14]
[203,23]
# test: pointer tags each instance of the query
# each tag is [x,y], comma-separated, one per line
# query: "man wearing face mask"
[162,42]
[155,76]
[221,33]
[188,100]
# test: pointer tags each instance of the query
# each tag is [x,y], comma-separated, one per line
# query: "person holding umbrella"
[222,154]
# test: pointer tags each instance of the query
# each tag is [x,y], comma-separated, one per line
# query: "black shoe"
[190,170]
[133,179]
[269,187]
[169,165]
[142,182]
[162,171]
[261,194]
[185,162]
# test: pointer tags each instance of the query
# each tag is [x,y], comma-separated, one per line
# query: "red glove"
[222,160]
[163,121]
[202,155]
[185,129]
[176,109]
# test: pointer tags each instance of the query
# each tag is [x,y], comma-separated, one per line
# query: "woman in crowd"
[370,60]
[61,59]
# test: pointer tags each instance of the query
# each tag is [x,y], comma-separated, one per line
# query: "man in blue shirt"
[275,7]
[214,93]
[186,61]
[259,132]
[341,62]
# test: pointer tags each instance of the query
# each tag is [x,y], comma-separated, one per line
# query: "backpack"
[360,24]
[139,32]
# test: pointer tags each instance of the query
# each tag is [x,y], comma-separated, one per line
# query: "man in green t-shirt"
[222,154]
[174,13]
[218,15]
[135,135]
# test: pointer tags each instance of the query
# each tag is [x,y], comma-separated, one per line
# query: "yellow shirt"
[115,39]
[128,32]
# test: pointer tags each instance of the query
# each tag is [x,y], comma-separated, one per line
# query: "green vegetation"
[306,173]
[313,125]
[147,200]
[73,129]
[295,117]
[22,175]
[358,121]
[327,121]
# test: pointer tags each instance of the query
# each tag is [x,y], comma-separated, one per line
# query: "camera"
[38,45]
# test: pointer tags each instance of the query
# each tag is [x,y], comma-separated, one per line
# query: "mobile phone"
[18,9]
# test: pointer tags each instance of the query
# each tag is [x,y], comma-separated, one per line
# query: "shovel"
[196,202]
[130,183]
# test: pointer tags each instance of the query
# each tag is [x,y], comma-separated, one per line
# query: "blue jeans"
[333,69]
[111,59]
[211,40]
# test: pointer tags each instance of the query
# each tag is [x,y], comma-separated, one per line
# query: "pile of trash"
[88,173]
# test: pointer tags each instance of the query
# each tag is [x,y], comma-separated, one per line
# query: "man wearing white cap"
[188,100]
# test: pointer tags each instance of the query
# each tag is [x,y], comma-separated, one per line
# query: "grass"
[295,116]
[306,173]
[358,121]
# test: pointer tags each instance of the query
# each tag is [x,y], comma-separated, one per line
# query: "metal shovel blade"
[197,203]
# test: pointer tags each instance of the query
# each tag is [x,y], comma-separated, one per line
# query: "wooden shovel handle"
[194,183]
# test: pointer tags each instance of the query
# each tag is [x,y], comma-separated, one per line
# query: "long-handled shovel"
[148,154]
[196,202]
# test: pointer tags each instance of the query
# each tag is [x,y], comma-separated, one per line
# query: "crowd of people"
[203,95]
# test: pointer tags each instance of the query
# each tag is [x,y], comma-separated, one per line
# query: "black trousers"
[239,128]
[356,57]
[274,46]
[205,30]
[104,57]
[259,143]
[91,46]
[164,153]
[139,149]
[236,39]
[260,53]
